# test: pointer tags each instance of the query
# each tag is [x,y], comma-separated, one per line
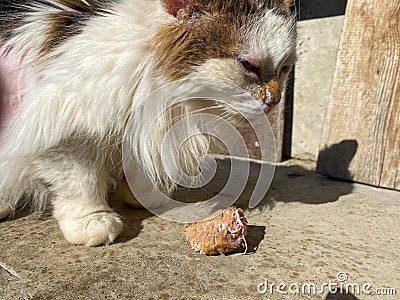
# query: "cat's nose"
[270,93]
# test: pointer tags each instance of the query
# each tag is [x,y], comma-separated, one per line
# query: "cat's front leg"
[79,180]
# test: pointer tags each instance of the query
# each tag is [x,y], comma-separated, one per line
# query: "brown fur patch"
[245,7]
[64,24]
[216,30]
[179,47]
[11,17]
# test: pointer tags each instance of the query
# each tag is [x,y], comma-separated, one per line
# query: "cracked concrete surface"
[308,229]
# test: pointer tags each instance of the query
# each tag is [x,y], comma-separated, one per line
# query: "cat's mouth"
[270,105]
[270,97]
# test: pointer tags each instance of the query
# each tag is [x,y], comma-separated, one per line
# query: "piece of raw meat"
[222,232]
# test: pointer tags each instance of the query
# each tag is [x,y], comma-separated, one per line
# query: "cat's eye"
[285,69]
[250,67]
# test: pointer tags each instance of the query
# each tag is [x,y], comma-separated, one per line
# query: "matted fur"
[90,64]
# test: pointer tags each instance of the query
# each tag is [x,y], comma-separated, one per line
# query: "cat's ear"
[180,9]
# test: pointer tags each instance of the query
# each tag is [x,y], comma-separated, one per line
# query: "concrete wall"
[317,51]
[319,31]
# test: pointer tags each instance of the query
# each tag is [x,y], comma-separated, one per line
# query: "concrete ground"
[308,229]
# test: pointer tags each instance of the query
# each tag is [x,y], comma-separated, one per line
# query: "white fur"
[273,39]
[77,103]
[85,90]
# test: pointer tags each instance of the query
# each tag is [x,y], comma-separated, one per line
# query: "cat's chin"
[269,106]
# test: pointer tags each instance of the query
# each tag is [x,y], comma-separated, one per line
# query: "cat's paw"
[100,228]
[5,210]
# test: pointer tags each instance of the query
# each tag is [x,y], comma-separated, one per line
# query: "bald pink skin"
[11,86]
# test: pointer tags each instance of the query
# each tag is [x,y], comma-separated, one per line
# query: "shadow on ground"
[291,182]
[340,295]
[132,219]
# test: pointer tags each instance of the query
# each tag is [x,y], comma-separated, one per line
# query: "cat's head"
[250,43]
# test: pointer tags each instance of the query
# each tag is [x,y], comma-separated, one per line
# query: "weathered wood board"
[361,139]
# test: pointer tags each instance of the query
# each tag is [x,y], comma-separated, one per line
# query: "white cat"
[87,63]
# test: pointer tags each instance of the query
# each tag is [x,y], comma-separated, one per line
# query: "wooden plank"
[364,112]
